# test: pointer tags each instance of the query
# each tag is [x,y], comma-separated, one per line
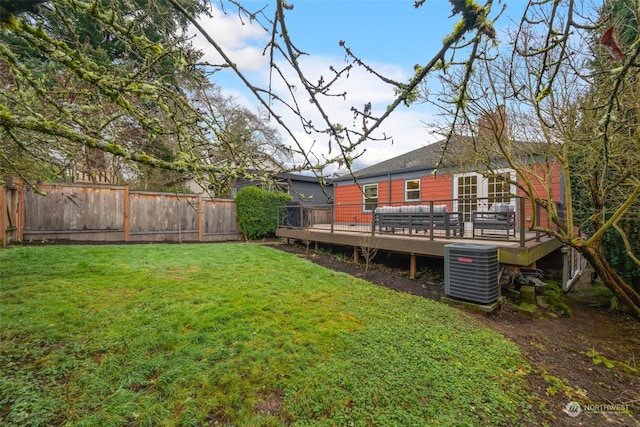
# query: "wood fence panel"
[219,220]
[82,212]
[74,212]
[163,217]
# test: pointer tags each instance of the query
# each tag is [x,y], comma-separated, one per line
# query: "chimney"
[493,125]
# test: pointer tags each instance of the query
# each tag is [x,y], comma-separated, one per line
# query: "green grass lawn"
[236,334]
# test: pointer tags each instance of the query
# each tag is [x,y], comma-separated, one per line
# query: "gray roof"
[300,177]
[423,158]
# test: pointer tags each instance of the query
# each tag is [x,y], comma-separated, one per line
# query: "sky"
[390,35]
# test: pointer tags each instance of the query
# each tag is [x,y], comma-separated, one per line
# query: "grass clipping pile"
[584,355]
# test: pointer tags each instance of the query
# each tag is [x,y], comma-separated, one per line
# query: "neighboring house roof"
[303,188]
[306,188]
[300,177]
[290,176]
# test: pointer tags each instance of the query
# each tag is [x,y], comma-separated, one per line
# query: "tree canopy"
[112,84]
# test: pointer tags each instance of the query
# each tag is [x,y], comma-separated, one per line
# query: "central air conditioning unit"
[471,272]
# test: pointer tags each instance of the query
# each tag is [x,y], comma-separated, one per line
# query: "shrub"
[256,211]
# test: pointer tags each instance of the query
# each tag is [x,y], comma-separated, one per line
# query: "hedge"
[256,211]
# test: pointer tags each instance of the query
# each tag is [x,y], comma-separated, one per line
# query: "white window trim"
[406,190]
[364,196]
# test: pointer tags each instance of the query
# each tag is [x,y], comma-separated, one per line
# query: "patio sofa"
[499,218]
[418,218]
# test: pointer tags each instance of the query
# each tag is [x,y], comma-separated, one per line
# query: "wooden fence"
[107,213]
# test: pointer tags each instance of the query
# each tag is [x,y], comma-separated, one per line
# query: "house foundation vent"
[471,272]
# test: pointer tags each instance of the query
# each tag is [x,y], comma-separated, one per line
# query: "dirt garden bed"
[591,357]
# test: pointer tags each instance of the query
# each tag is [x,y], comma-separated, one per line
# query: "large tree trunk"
[628,296]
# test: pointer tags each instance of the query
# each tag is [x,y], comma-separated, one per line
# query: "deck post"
[373,223]
[333,217]
[431,219]
[412,266]
[523,226]
[356,255]
[301,214]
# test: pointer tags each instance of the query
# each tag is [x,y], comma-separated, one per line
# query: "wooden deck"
[525,251]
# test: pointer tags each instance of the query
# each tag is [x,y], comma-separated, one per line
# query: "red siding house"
[411,178]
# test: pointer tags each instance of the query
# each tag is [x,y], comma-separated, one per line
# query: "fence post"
[200,217]
[20,216]
[3,216]
[126,213]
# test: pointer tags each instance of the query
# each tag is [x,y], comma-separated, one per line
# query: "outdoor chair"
[500,218]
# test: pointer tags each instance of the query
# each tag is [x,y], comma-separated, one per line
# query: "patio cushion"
[411,209]
[436,208]
[501,207]
[388,209]
[495,212]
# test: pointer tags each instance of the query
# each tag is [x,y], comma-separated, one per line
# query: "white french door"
[473,192]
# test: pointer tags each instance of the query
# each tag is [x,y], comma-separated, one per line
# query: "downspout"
[565,269]
[571,271]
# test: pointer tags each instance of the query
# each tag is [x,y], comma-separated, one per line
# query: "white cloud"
[404,128]
[244,44]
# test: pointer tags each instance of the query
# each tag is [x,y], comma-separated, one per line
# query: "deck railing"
[444,218]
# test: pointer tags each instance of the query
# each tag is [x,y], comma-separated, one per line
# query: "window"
[412,190]
[466,191]
[499,190]
[370,196]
